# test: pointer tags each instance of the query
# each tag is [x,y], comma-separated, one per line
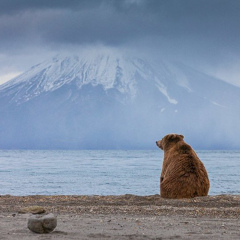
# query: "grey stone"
[42,223]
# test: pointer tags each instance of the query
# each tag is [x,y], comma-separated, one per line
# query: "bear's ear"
[171,137]
[181,136]
[174,137]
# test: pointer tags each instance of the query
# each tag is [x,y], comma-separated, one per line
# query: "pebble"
[42,223]
[32,209]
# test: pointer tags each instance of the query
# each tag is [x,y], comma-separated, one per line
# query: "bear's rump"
[185,185]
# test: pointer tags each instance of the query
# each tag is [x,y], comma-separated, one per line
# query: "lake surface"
[113,172]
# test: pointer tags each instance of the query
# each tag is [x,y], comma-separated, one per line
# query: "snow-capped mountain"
[113,100]
[109,71]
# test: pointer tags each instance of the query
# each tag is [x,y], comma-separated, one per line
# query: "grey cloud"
[118,22]
[104,22]
[15,6]
[203,29]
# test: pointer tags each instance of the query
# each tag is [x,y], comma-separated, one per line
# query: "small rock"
[32,209]
[42,223]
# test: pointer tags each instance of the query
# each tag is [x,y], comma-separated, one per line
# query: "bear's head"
[169,140]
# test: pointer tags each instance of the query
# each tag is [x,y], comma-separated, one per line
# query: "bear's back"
[184,160]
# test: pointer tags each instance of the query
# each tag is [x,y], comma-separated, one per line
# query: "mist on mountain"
[111,100]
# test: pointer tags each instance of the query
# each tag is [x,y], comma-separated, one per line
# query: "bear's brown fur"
[183,174]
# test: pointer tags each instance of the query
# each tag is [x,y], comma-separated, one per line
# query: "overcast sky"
[202,33]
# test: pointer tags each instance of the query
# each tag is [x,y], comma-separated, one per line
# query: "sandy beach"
[124,217]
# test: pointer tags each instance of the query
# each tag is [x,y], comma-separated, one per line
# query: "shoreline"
[125,217]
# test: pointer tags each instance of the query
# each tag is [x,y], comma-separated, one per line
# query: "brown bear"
[183,174]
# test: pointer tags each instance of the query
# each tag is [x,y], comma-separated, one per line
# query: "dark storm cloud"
[115,22]
[109,22]
[13,6]
[202,33]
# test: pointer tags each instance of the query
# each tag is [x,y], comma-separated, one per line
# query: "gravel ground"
[124,217]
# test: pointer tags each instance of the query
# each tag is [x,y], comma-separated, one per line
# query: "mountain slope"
[111,100]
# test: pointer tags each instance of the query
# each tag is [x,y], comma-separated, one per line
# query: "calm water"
[104,172]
